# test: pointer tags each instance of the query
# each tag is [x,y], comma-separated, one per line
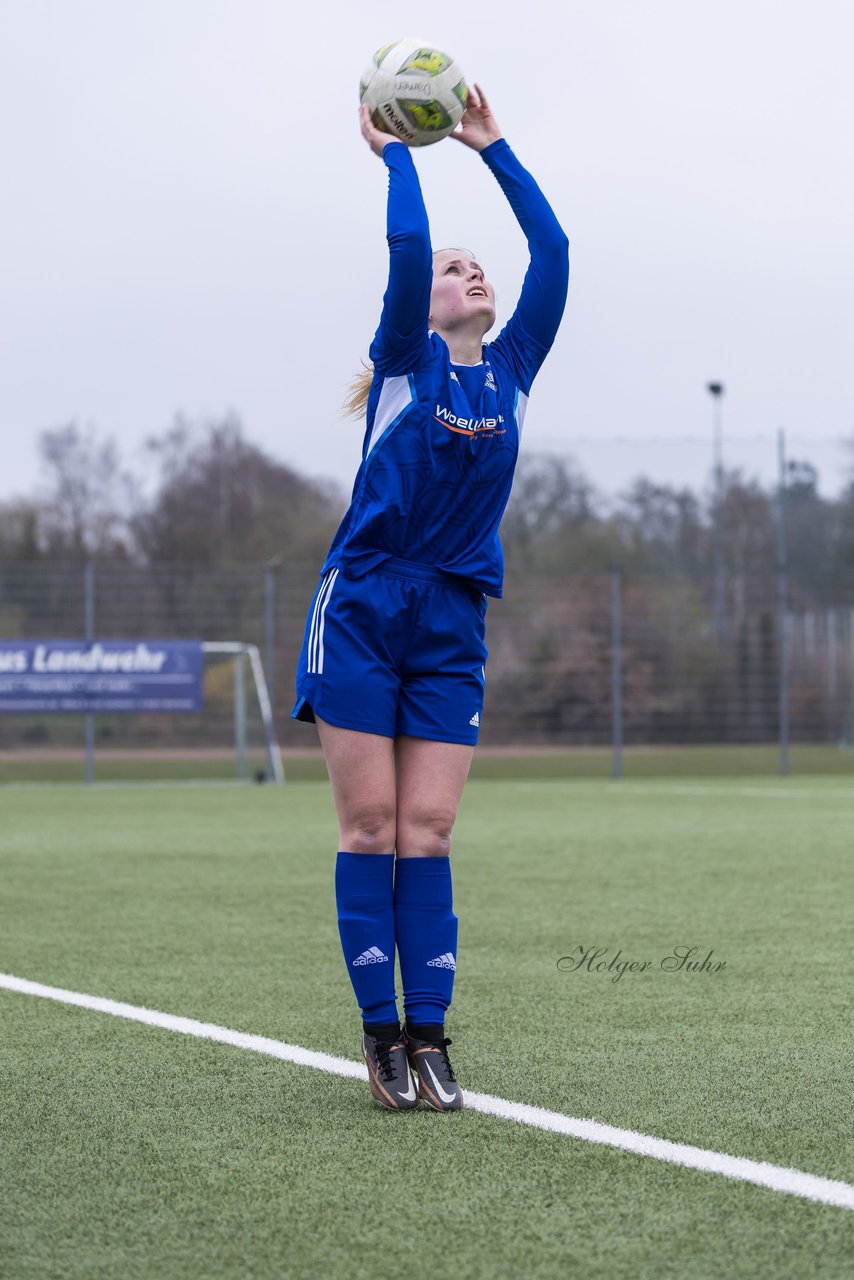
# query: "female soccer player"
[392,665]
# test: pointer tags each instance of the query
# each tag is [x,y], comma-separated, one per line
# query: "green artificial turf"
[713,760]
[137,1152]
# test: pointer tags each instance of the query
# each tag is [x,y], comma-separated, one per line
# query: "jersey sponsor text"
[469,426]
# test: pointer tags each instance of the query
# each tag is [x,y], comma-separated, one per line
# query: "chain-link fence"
[599,659]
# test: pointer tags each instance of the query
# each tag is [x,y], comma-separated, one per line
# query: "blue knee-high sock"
[425,930]
[364,896]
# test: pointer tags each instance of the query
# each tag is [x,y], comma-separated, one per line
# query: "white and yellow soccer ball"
[414,92]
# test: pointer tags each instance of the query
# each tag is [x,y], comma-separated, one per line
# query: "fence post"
[270,633]
[782,607]
[831,698]
[617,672]
[89,617]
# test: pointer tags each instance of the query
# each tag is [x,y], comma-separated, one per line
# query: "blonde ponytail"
[360,388]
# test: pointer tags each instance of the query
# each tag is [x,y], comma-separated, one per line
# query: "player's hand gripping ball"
[415,93]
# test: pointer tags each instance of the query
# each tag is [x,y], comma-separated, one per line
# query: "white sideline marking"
[789,1181]
[652,788]
[759,792]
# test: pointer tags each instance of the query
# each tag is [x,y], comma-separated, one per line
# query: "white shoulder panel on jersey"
[397,395]
[521,408]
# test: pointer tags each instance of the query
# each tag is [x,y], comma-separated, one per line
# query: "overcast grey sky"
[191,221]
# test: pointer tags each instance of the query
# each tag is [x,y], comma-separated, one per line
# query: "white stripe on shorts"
[315,638]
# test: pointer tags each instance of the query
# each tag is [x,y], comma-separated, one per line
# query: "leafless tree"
[87,496]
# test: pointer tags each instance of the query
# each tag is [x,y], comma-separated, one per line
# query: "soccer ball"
[414,92]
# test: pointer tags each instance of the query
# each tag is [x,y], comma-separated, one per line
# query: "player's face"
[460,292]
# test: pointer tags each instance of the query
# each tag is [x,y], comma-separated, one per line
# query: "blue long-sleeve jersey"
[442,439]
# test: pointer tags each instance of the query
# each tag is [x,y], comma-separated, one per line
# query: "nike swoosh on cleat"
[446,1097]
[409,1096]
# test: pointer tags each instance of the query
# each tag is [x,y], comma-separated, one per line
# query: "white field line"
[792,1182]
[762,793]
[653,789]
[782,789]
[133,784]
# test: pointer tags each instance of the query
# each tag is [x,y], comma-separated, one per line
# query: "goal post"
[243,653]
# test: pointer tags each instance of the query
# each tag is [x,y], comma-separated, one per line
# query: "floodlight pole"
[782,606]
[89,620]
[617,672]
[716,391]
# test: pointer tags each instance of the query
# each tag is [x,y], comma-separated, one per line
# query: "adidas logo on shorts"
[373,955]
[475,720]
[446,961]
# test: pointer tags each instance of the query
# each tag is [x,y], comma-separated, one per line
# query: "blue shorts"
[400,650]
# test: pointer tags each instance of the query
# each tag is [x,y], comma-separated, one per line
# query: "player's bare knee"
[436,845]
[370,831]
[425,835]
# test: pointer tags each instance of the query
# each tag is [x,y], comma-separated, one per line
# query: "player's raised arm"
[526,338]
[402,333]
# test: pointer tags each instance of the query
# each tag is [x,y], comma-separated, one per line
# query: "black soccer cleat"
[437,1084]
[390,1078]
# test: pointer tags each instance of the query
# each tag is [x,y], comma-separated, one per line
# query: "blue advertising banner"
[38,676]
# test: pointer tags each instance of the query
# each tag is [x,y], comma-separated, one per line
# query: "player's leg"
[438,720]
[362,773]
[430,780]
[430,777]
